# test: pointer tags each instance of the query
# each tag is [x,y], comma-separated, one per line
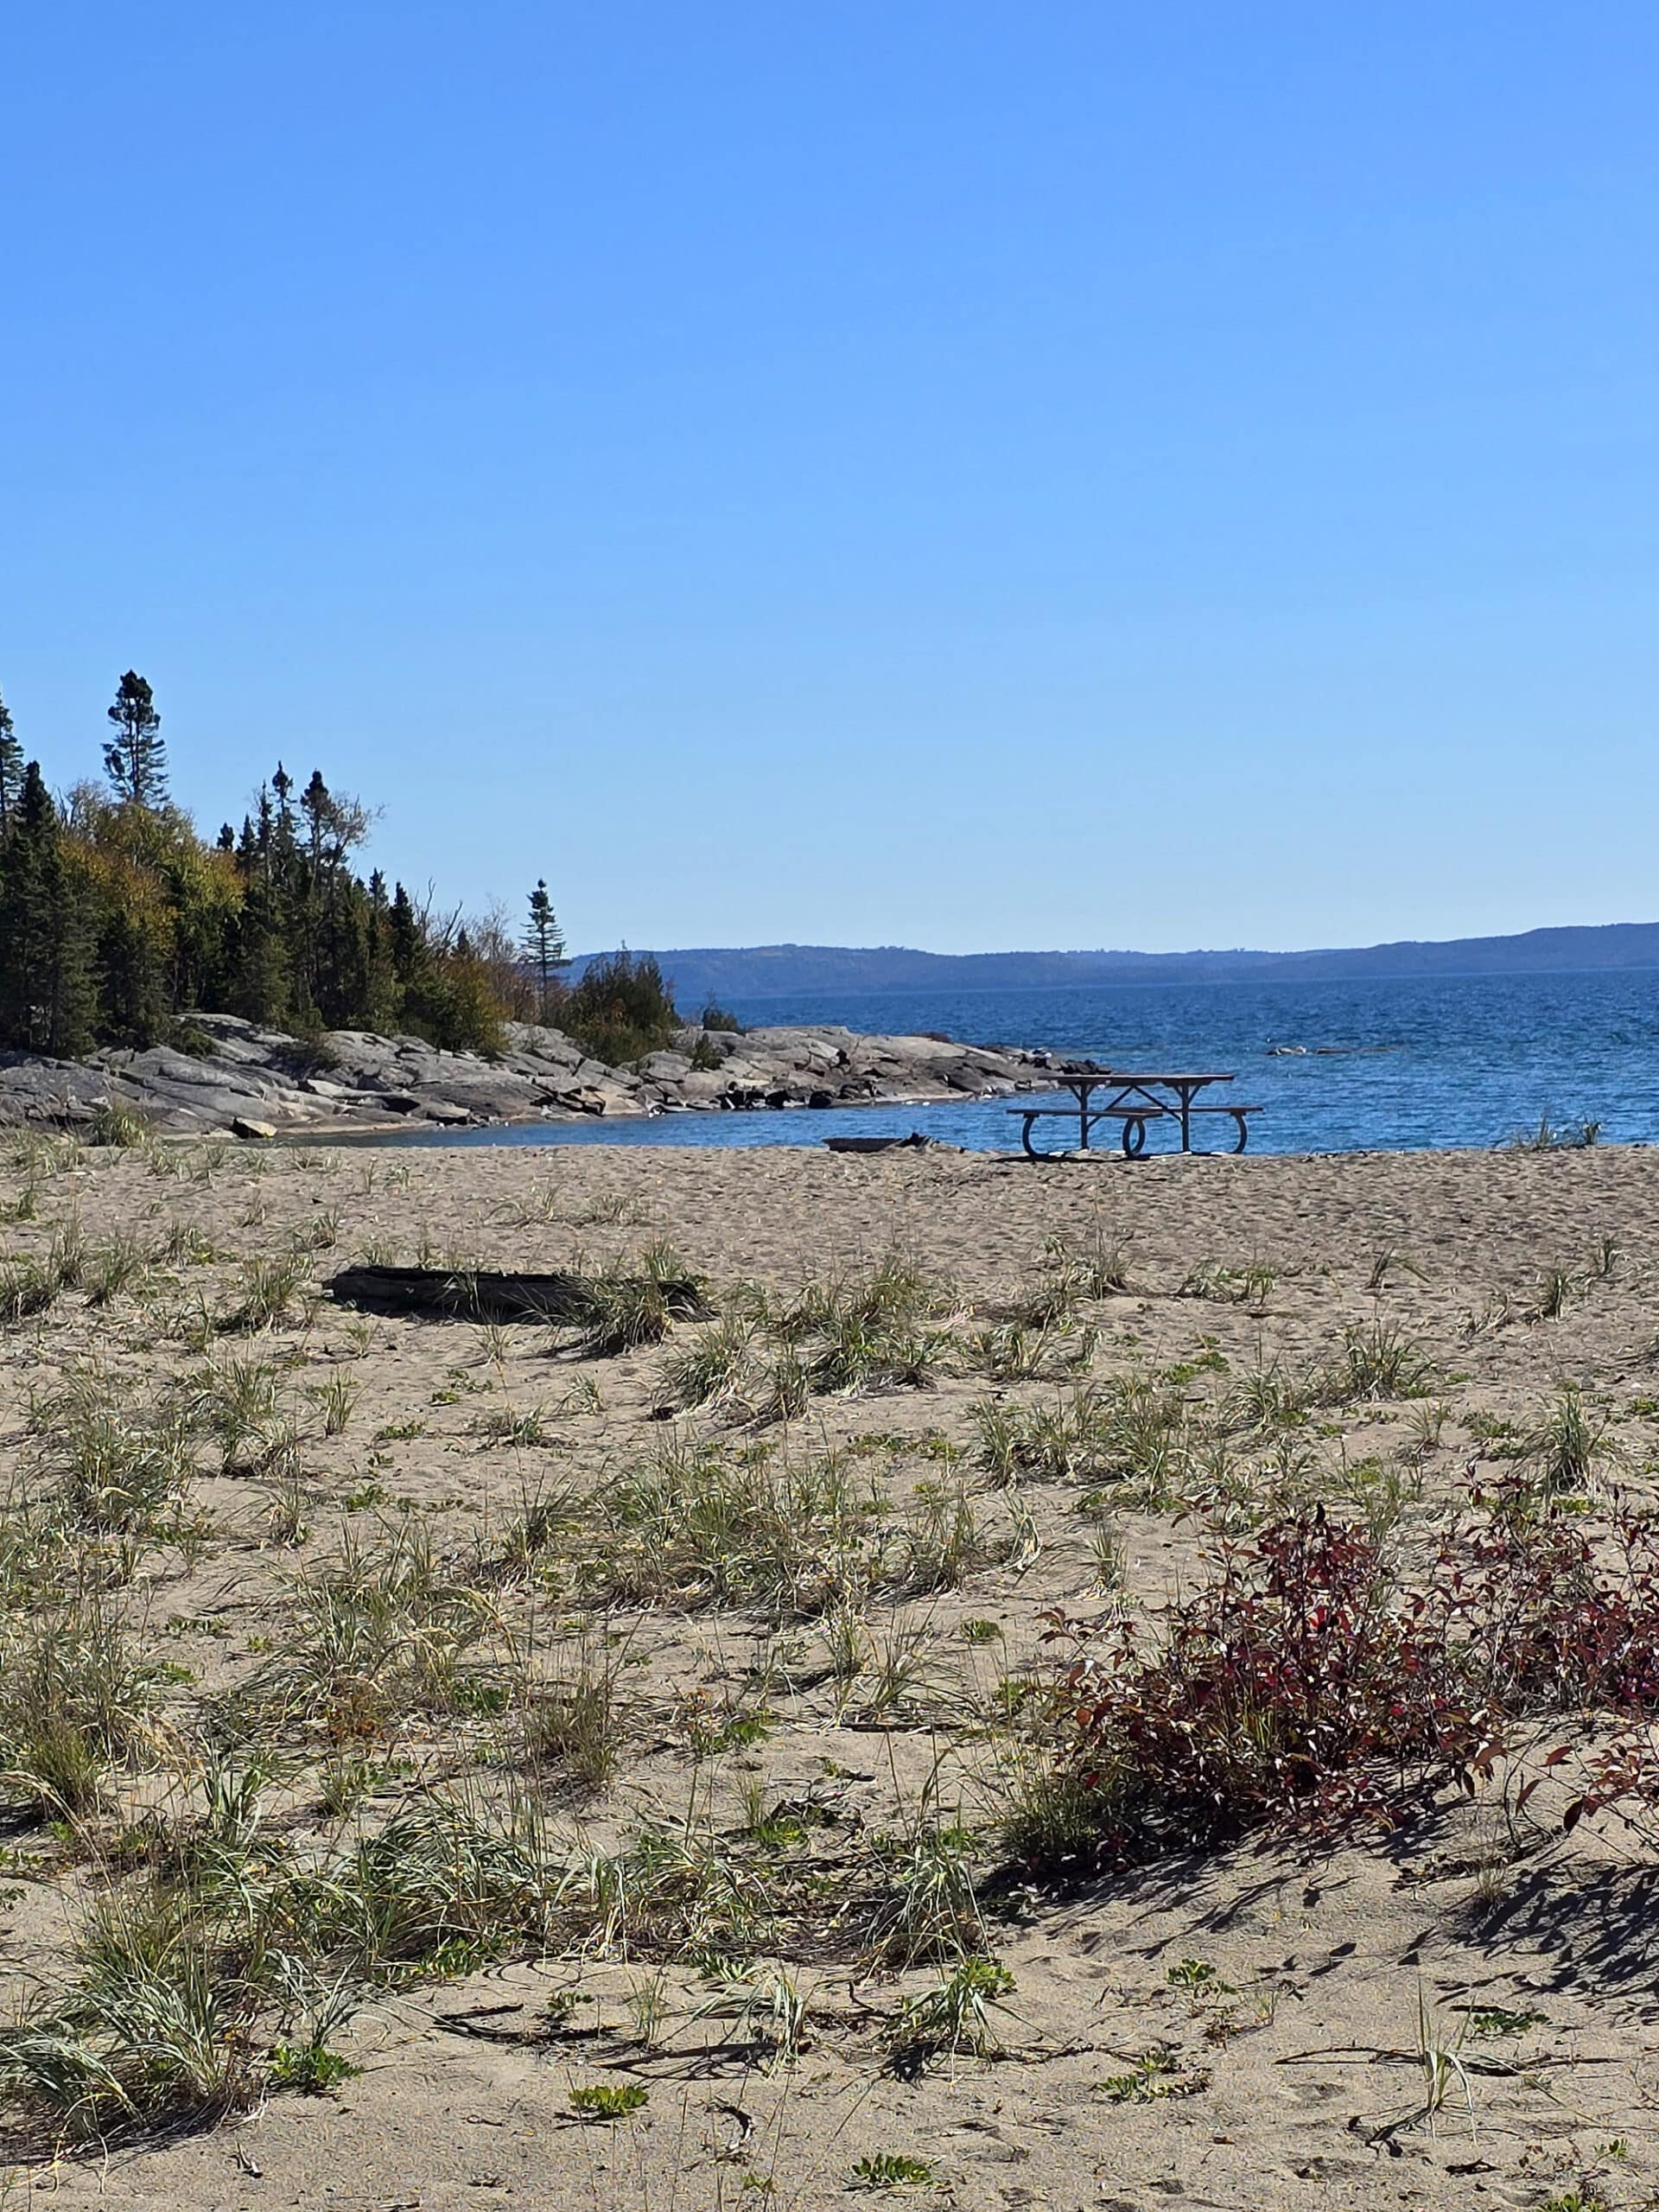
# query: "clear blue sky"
[966,474]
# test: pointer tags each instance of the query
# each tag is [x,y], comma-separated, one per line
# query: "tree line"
[118,919]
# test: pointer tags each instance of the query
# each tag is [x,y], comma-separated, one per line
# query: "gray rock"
[263,1077]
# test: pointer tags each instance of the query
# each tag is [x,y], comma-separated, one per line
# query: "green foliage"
[46,931]
[953,2016]
[893,2169]
[117,920]
[716,1017]
[452,1006]
[73,1702]
[151,2032]
[134,757]
[1156,2074]
[311,2068]
[544,949]
[607,2102]
[637,1302]
[621,1009]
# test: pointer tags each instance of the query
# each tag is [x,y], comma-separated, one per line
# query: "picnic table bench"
[1136,1099]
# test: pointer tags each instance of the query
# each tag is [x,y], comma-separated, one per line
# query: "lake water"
[1392,1065]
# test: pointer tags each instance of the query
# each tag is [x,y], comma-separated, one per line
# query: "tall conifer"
[45,985]
[135,758]
[544,945]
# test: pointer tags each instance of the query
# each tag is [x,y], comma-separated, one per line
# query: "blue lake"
[1464,1060]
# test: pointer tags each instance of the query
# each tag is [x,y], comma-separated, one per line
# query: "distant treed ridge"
[797,971]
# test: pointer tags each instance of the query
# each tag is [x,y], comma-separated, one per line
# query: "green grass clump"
[576,1720]
[954,2015]
[73,1702]
[380,1632]
[271,1288]
[637,1301]
[112,1469]
[156,2029]
[1571,1444]
[447,1886]
[123,1128]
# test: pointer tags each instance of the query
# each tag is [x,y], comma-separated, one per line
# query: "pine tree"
[135,758]
[11,765]
[544,945]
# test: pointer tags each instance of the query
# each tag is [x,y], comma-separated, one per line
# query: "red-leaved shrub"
[1309,1685]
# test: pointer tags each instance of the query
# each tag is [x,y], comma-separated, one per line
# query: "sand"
[1301,2077]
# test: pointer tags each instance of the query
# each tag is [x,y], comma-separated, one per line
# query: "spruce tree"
[116,918]
[11,765]
[45,986]
[544,944]
[407,938]
[135,758]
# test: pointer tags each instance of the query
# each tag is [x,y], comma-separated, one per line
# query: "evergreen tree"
[407,938]
[135,758]
[544,945]
[116,919]
[46,1000]
[132,952]
[260,988]
[281,827]
[11,765]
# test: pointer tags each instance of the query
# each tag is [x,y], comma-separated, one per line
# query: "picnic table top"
[1100,1076]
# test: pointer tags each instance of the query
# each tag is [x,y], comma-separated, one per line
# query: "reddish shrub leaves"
[1305,1689]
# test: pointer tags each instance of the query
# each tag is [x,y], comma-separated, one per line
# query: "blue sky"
[961,474]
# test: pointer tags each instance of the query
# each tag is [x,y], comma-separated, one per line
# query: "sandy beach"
[772,1728]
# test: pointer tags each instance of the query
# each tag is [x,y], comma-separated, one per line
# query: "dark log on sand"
[914,1142]
[465,1294]
[456,1295]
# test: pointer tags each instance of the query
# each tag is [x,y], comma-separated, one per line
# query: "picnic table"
[1137,1097]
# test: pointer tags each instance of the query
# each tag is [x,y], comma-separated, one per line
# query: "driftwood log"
[914,1142]
[483,1294]
[458,1294]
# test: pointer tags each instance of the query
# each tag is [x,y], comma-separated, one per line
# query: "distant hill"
[751,973]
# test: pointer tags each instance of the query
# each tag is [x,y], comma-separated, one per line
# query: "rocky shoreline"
[240,1080]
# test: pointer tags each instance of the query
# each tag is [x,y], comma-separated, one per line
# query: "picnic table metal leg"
[1244,1129]
[1032,1152]
[1134,1137]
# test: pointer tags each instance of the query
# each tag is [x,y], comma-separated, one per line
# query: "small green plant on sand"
[955,2015]
[893,2169]
[311,2068]
[605,2102]
[1156,2074]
